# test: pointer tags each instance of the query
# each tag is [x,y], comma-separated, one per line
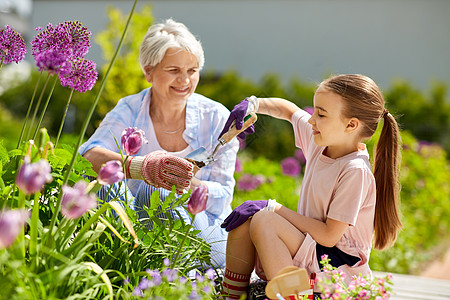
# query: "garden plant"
[59,241]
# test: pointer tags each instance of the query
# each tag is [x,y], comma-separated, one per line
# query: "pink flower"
[197,202]
[33,176]
[11,222]
[309,109]
[76,201]
[12,46]
[111,172]
[291,166]
[300,156]
[249,182]
[132,140]
[238,167]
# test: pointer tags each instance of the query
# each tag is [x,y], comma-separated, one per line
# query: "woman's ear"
[148,73]
[352,125]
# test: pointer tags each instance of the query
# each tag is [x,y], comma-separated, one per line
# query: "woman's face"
[175,77]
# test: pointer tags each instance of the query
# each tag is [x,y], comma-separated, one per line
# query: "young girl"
[343,206]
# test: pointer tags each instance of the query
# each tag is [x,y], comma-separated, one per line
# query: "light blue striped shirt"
[205,120]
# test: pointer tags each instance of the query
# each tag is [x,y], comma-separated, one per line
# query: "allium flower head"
[110,173]
[11,222]
[291,166]
[12,46]
[33,176]
[53,61]
[249,182]
[132,140]
[81,75]
[70,37]
[76,201]
[197,202]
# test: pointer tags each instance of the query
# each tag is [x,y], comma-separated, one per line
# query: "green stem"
[45,107]
[37,106]
[29,109]
[177,255]
[88,118]
[34,227]
[63,118]
[91,220]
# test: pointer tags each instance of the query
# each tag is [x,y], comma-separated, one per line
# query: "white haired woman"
[176,121]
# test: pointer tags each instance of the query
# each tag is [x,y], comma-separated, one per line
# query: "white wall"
[384,39]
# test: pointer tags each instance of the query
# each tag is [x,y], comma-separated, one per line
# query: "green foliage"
[126,77]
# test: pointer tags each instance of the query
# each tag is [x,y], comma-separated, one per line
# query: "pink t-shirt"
[341,189]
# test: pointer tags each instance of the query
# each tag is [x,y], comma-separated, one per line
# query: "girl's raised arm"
[277,108]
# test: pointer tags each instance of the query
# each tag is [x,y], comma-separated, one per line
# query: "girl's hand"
[238,114]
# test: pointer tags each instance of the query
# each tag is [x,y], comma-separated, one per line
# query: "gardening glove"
[237,115]
[241,213]
[161,169]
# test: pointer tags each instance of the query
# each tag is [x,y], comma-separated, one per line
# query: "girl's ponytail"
[386,168]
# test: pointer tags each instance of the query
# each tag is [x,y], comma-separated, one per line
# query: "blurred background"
[277,48]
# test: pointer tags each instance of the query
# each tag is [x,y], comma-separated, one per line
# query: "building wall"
[309,39]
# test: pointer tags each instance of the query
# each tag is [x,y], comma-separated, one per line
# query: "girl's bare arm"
[277,107]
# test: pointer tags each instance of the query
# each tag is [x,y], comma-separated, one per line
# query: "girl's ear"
[148,73]
[352,125]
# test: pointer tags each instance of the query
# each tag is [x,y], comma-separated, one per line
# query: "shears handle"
[232,132]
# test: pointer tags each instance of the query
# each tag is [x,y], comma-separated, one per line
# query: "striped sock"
[234,284]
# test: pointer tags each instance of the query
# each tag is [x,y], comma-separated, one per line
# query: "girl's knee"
[260,223]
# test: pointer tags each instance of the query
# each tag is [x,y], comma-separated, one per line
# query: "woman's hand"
[161,169]
[238,114]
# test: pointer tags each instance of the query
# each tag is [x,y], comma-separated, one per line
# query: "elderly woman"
[176,121]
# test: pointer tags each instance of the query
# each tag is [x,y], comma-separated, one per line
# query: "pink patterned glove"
[161,169]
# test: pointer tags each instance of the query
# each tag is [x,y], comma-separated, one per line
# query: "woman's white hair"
[169,34]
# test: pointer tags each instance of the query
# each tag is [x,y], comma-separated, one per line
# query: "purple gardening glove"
[241,213]
[238,114]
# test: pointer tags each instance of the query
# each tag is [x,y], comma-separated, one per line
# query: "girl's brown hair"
[363,100]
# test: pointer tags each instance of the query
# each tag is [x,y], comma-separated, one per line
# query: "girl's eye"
[320,116]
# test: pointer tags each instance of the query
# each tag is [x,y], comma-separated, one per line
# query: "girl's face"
[330,128]
[175,77]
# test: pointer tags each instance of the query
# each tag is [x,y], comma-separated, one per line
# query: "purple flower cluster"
[249,182]
[81,75]
[292,166]
[169,285]
[61,49]
[12,46]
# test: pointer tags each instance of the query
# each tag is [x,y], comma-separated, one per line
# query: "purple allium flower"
[70,37]
[110,173]
[53,61]
[76,201]
[166,262]
[197,202]
[242,143]
[12,46]
[309,110]
[33,176]
[77,37]
[194,296]
[132,140]
[145,284]
[81,75]
[291,166]
[137,292]
[210,274]
[11,222]
[238,167]
[249,182]
[300,156]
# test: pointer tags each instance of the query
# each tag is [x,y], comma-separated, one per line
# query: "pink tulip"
[11,222]
[76,201]
[132,140]
[111,172]
[33,176]
[197,202]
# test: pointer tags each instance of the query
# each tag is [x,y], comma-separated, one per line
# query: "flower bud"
[110,173]
[75,201]
[11,222]
[32,176]
[132,140]
[197,202]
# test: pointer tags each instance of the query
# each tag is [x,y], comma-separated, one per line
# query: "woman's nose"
[183,77]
